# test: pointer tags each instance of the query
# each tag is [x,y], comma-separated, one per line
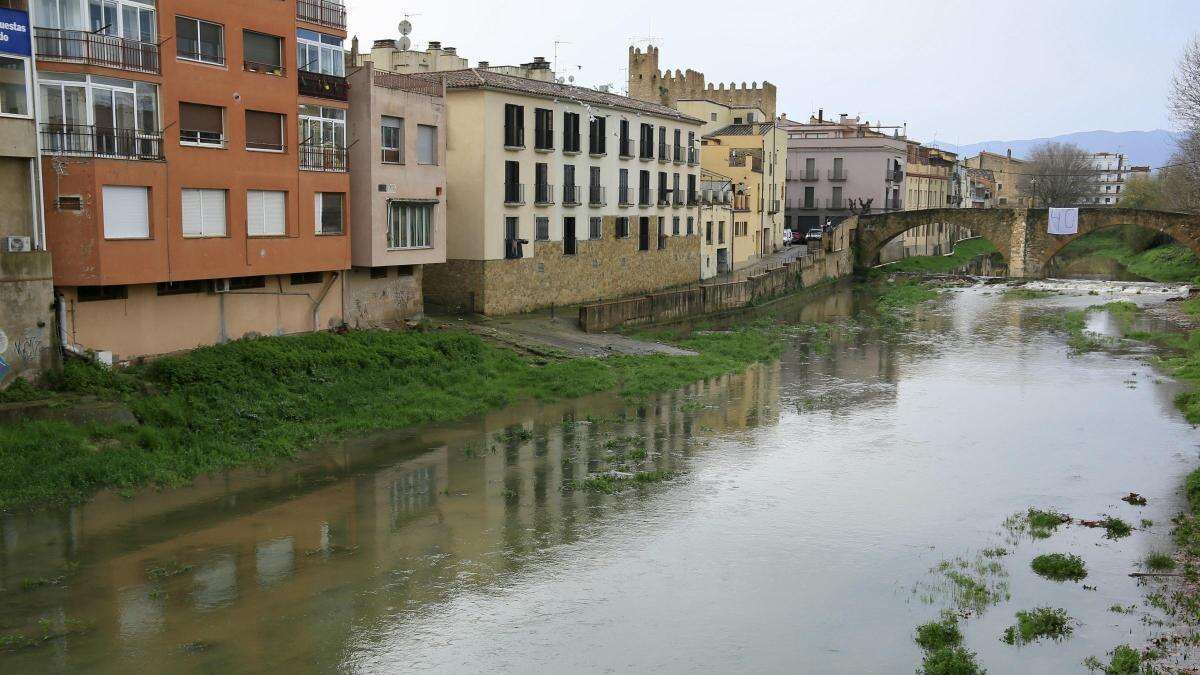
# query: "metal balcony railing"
[597,195]
[265,68]
[93,141]
[676,198]
[320,85]
[677,154]
[895,176]
[774,206]
[624,196]
[571,195]
[663,152]
[543,193]
[807,176]
[78,46]
[835,204]
[693,156]
[692,199]
[323,157]
[645,196]
[664,197]
[808,205]
[626,149]
[514,193]
[835,175]
[323,12]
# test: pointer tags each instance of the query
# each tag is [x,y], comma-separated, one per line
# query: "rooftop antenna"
[649,38]
[554,63]
[405,28]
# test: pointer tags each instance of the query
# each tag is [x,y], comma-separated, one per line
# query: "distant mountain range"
[1151,148]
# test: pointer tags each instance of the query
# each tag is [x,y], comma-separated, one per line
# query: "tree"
[1058,174]
[1185,89]
[1181,181]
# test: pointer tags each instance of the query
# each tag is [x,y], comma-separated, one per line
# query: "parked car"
[814,236]
[789,238]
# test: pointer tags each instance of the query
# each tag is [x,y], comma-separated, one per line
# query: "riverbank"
[259,401]
[1167,263]
[964,252]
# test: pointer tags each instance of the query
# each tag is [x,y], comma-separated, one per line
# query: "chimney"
[820,114]
[484,64]
[842,117]
[452,51]
[435,44]
[1010,153]
[384,44]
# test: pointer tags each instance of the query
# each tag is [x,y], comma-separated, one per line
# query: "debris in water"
[1134,499]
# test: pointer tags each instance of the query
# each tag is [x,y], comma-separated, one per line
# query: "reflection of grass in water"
[1039,623]
[47,631]
[1059,566]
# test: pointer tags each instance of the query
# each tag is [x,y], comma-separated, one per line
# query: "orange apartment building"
[195,168]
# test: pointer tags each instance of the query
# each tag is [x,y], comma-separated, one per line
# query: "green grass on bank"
[1167,263]
[261,400]
[964,253]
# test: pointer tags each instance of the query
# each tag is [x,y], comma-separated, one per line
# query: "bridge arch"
[873,232]
[1183,228]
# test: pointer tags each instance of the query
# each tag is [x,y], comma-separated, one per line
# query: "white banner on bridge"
[1063,221]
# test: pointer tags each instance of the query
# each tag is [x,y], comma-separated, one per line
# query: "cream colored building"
[744,144]
[562,194]
[930,171]
[398,194]
[1006,171]
[715,223]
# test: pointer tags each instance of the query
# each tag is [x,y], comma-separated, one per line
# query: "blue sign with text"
[14,32]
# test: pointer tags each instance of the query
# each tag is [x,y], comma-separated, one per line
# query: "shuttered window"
[427,144]
[201,124]
[330,212]
[126,212]
[264,131]
[266,213]
[204,213]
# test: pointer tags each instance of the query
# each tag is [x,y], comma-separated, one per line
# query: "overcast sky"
[957,71]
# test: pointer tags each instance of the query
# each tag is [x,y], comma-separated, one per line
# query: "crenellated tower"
[648,83]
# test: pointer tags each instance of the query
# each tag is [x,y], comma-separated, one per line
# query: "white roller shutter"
[193,213]
[126,212]
[266,212]
[204,213]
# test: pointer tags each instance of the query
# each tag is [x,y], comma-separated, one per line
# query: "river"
[813,497]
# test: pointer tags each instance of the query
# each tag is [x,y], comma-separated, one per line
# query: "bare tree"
[1058,174]
[1185,90]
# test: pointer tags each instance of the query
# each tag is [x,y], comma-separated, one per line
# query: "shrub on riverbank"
[1059,566]
[261,400]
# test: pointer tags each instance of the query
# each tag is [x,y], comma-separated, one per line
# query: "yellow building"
[1007,172]
[745,145]
[929,172]
[715,223]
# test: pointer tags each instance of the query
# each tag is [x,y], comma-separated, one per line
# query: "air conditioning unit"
[17,245]
[220,285]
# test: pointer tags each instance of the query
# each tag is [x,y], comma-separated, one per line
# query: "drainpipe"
[321,298]
[39,213]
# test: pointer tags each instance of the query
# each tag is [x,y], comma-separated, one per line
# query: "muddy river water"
[813,496]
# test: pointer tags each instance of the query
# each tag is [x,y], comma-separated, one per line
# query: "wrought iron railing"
[597,195]
[571,195]
[543,193]
[514,193]
[323,12]
[323,157]
[93,141]
[78,46]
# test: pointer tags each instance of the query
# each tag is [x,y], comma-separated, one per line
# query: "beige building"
[928,183]
[715,223]
[561,194]
[1006,171]
[397,194]
[745,145]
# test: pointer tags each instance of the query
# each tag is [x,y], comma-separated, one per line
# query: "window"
[708,233]
[643,234]
[675,226]
[94,293]
[712,118]
[569,240]
[204,213]
[623,187]
[514,126]
[646,142]
[305,278]
[691,226]
[201,125]
[626,148]
[409,224]
[320,53]
[513,190]
[179,287]
[541,184]
[126,212]
[197,40]
[322,138]
[570,189]
[247,283]
[98,114]
[513,244]
[262,53]
[379,272]
[330,212]
[644,188]
[622,227]
[14,86]
[662,233]
[391,139]
[132,20]
[596,141]
[595,227]
[266,213]
[69,203]
[427,144]
[541,228]
[543,129]
[570,132]
[264,131]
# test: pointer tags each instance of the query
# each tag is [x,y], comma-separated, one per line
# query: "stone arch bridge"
[1019,234]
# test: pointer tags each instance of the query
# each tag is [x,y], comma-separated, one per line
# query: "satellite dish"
[405,43]
[405,27]
[571,78]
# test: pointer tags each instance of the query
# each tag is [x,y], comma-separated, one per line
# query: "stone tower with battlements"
[648,83]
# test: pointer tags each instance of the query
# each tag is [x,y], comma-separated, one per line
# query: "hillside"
[1151,148]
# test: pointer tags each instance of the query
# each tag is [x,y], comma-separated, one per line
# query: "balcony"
[693,199]
[894,176]
[894,205]
[741,203]
[838,175]
[835,204]
[806,176]
[323,12]
[514,194]
[693,156]
[571,195]
[319,157]
[597,195]
[774,206]
[264,68]
[514,249]
[645,196]
[624,196]
[77,46]
[91,141]
[320,85]
[543,194]
[626,148]
[663,152]
[676,199]
[808,205]
[664,197]
[677,154]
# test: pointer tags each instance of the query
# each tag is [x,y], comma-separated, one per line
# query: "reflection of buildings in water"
[857,369]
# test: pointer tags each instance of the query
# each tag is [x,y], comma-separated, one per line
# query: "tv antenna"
[405,28]
[649,38]
[554,62]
